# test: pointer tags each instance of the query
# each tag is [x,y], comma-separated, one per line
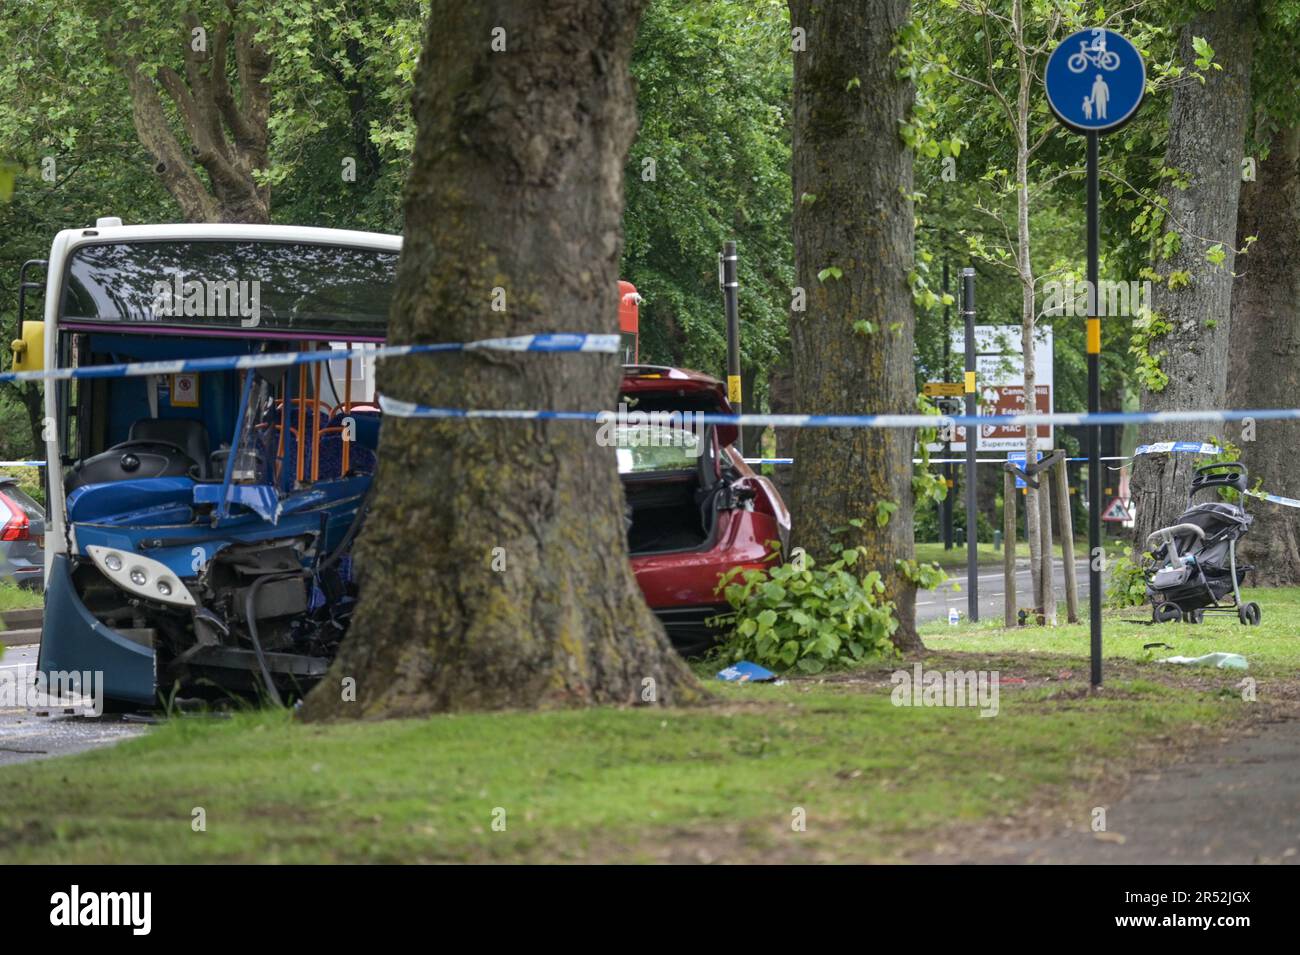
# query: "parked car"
[695,509]
[22,536]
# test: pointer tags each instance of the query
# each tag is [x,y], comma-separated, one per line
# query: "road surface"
[26,736]
[1237,803]
[934,604]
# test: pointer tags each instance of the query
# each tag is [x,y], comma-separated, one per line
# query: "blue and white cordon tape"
[609,344]
[551,342]
[406,409]
[1275,498]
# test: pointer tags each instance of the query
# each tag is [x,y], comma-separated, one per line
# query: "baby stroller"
[1195,561]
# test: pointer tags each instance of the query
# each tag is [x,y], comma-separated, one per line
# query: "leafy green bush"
[808,617]
[1127,586]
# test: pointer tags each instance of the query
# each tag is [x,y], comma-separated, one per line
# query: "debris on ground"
[746,672]
[1224,661]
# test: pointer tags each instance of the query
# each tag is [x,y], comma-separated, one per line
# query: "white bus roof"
[228,231]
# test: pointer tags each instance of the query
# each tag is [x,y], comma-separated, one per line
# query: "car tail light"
[16,527]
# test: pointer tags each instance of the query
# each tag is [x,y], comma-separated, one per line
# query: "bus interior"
[221,505]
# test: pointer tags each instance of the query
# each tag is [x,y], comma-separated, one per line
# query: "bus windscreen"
[255,287]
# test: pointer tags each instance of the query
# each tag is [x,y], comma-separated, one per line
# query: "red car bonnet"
[675,389]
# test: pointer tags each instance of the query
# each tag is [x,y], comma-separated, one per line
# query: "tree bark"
[1265,354]
[852,177]
[1040,562]
[227,138]
[516,185]
[1206,142]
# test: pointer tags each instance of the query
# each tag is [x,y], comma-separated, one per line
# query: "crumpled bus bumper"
[73,640]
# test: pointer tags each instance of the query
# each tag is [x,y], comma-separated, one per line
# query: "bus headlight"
[141,575]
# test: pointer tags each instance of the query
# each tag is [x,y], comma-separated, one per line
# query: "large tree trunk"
[852,177]
[1265,362]
[1206,141]
[517,185]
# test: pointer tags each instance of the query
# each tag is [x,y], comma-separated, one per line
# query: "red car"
[694,508]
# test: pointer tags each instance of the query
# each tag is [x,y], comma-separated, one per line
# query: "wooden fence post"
[1047,598]
[1067,542]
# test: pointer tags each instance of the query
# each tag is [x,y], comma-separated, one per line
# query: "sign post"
[728,278]
[972,409]
[948,472]
[1095,80]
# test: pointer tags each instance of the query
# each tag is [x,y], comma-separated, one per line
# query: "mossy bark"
[1264,370]
[1207,126]
[852,178]
[494,561]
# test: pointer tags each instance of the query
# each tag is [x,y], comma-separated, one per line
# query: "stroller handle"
[1230,474]
[1167,534]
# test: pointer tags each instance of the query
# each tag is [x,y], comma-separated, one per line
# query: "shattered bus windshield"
[270,286]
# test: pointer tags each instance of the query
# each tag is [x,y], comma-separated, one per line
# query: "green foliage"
[713,89]
[1147,330]
[802,616]
[1204,57]
[1126,586]
[13,597]
[926,575]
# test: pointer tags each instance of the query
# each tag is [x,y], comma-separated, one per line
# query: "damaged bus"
[200,523]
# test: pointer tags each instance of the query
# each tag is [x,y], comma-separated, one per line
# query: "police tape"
[934,460]
[1275,498]
[1195,447]
[406,409]
[546,342]
[1177,447]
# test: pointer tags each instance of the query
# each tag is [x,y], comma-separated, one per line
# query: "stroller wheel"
[1165,613]
[1193,616]
[1249,614]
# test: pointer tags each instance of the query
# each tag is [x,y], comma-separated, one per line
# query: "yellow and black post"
[729,276]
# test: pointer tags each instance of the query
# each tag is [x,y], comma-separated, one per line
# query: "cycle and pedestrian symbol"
[1095,80]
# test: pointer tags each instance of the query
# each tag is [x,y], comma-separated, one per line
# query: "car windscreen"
[262,286]
[14,493]
[648,448]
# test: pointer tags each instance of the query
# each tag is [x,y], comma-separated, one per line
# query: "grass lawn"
[955,559]
[13,597]
[721,782]
[1272,648]
[877,782]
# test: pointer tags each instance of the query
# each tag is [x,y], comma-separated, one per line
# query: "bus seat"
[362,459]
[188,435]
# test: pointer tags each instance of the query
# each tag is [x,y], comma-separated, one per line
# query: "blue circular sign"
[1095,80]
